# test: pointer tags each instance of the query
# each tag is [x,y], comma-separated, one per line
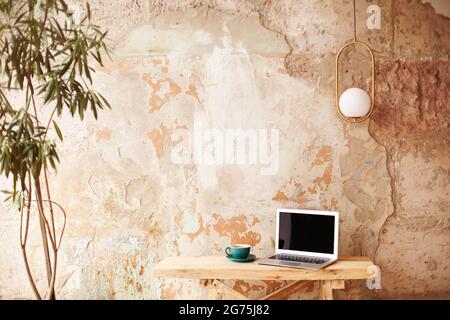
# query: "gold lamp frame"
[356,42]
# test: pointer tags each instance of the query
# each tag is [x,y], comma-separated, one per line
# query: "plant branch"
[64,223]
[43,223]
[52,218]
[49,122]
[39,200]
[23,241]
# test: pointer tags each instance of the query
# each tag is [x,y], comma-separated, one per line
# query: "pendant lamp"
[354,104]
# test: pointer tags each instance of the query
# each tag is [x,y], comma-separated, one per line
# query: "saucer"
[250,257]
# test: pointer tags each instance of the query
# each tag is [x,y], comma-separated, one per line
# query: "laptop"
[305,239]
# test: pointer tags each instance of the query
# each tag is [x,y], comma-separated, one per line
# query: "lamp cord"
[354,20]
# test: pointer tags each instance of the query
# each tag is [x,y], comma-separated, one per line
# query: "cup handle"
[227,251]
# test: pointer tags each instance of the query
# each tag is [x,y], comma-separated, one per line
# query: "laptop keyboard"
[295,258]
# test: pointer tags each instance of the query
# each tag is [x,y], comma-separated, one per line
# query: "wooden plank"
[338,284]
[219,267]
[286,291]
[326,290]
[213,293]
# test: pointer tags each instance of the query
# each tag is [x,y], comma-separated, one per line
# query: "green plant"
[45,58]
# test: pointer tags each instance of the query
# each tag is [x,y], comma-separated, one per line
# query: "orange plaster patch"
[135,284]
[294,182]
[325,180]
[244,287]
[237,228]
[241,286]
[301,198]
[192,90]
[272,285]
[333,205]
[122,66]
[103,134]
[157,100]
[130,266]
[322,156]
[280,196]
[312,190]
[160,138]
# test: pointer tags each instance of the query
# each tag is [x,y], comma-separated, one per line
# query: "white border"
[316,212]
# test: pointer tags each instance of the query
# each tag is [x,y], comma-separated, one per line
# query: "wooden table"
[212,270]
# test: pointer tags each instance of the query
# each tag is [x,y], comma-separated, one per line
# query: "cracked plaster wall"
[253,64]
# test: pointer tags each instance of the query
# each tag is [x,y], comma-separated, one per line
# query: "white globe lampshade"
[354,103]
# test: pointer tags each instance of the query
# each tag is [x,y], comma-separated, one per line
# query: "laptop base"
[276,261]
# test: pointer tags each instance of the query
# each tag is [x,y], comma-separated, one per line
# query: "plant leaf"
[58,130]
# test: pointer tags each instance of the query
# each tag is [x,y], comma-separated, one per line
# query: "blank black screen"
[306,232]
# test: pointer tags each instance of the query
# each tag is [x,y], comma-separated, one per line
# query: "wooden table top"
[219,267]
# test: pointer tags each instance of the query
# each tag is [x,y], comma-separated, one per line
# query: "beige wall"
[253,65]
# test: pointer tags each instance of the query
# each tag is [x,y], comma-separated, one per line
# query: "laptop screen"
[306,232]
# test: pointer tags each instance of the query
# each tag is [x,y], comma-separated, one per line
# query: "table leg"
[326,290]
[284,292]
[218,291]
[214,294]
